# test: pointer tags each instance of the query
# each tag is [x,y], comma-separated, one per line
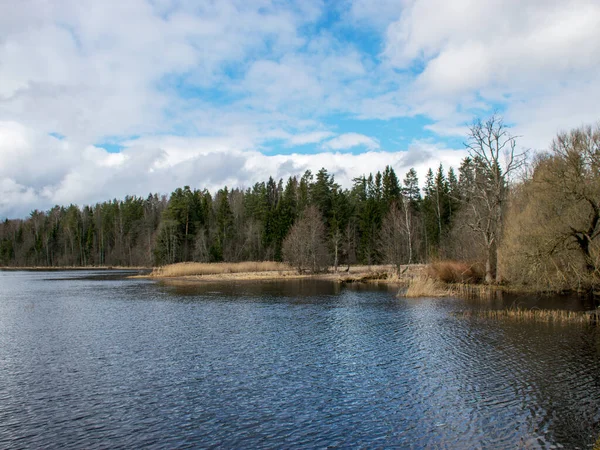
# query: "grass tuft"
[535,315]
[475,291]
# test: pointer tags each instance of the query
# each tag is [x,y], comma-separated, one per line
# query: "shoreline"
[374,274]
[72,268]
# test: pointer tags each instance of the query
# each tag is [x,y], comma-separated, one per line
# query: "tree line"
[239,225]
[532,221]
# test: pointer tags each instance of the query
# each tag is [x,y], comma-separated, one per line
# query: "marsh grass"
[198,269]
[535,315]
[424,287]
[455,272]
[474,291]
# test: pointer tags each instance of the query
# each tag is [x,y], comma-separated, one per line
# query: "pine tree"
[224,226]
[391,187]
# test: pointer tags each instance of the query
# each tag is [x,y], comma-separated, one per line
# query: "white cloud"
[90,69]
[198,91]
[471,56]
[310,138]
[377,13]
[348,141]
[92,175]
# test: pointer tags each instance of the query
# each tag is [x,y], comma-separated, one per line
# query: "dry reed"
[198,269]
[424,287]
[455,272]
[535,315]
[474,291]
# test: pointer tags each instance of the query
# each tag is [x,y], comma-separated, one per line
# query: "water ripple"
[122,363]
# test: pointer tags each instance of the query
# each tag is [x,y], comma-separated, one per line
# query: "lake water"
[90,361]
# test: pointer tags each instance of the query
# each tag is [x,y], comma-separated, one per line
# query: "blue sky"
[103,99]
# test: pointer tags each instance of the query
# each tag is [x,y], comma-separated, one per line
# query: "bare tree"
[201,246]
[397,235]
[336,240]
[496,159]
[391,238]
[553,234]
[305,247]
[409,225]
[576,175]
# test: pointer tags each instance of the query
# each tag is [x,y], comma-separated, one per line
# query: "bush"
[456,272]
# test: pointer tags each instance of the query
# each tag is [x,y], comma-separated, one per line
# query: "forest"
[526,220]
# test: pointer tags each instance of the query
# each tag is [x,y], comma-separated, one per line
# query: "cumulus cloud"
[310,138]
[92,174]
[209,93]
[540,53]
[348,141]
[100,73]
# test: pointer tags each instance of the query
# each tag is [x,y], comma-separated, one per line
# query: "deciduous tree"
[495,159]
[305,247]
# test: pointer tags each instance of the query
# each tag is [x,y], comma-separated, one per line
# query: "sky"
[101,99]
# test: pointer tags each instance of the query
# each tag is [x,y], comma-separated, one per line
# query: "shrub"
[455,272]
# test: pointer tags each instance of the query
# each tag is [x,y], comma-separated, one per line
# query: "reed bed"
[198,269]
[535,315]
[474,291]
[424,287]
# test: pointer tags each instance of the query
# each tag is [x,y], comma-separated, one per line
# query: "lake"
[94,360]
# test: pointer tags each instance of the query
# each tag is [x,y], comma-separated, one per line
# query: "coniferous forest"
[536,222]
[360,223]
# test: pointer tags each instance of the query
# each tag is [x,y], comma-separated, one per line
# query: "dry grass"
[455,272]
[536,315]
[475,291]
[197,269]
[425,287]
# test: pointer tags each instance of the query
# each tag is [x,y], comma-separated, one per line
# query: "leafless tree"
[201,246]
[336,240]
[305,247]
[397,235]
[496,160]
[391,238]
[554,229]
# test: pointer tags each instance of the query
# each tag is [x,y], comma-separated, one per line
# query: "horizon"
[100,101]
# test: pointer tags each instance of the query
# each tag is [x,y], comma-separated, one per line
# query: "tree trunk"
[499,232]
[584,245]
[335,261]
[489,263]
[408,223]
[489,277]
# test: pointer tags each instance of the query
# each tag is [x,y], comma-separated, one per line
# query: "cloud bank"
[228,93]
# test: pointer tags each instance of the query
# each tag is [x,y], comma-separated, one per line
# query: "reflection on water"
[88,362]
